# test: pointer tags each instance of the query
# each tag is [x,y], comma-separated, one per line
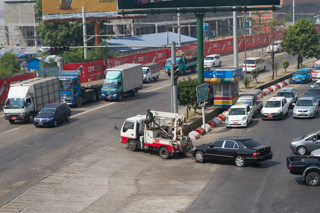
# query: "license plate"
[14,118]
[108,97]
[298,80]
[270,116]
[40,123]
[235,122]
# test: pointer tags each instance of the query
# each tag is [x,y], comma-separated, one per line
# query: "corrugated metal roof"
[147,39]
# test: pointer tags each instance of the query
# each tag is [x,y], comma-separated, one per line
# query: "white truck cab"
[253,98]
[240,115]
[165,134]
[150,71]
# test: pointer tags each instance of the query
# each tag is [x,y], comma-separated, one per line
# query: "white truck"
[122,80]
[28,97]
[165,134]
[150,71]
[253,98]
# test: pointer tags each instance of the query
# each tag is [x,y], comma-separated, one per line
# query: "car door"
[294,96]
[228,152]
[59,114]
[315,143]
[214,150]
[249,113]
[128,131]
[285,106]
[316,105]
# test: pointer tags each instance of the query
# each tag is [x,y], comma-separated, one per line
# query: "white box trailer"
[27,97]
[122,80]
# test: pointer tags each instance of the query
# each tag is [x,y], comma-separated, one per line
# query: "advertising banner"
[158,4]
[75,6]
[5,84]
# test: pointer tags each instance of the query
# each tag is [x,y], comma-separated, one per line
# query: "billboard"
[75,6]
[158,4]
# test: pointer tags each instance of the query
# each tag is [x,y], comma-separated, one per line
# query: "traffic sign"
[202,92]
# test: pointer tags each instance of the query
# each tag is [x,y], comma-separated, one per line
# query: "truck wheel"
[135,93]
[11,121]
[199,156]
[301,150]
[132,146]
[94,96]
[169,74]
[312,178]
[149,80]
[98,93]
[240,161]
[79,101]
[120,98]
[31,118]
[156,78]
[164,153]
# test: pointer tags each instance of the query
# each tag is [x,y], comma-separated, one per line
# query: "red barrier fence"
[5,84]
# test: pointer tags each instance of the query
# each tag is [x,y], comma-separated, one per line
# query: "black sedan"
[239,150]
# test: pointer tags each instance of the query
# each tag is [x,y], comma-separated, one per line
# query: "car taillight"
[253,66]
[243,66]
[269,150]
[255,154]
[290,166]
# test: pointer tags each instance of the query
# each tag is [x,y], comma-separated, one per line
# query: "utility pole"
[293,12]
[235,40]
[174,94]
[179,33]
[199,17]
[84,25]
[245,43]
[250,30]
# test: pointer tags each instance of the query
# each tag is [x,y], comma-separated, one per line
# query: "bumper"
[236,123]
[273,116]
[16,117]
[43,123]
[109,97]
[299,81]
[259,158]
[303,114]
[293,148]
[67,101]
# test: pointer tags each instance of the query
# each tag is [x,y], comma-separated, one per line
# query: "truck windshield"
[169,61]
[65,85]
[237,111]
[47,111]
[14,103]
[272,104]
[144,71]
[111,85]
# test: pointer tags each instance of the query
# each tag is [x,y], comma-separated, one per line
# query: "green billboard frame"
[168,4]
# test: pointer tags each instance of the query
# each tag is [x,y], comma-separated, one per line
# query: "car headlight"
[244,118]
[115,95]
[262,112]
[279,111]
[311,110]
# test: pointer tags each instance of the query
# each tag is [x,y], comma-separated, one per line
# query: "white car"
[212,60]
[275,46]
[316,84]
[240,115]
[275,108]
[253,63]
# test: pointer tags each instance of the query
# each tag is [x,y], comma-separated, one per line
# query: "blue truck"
[184,62]
[73,92]
[122,81]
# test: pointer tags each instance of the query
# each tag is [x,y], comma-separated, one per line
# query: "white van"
[254,63]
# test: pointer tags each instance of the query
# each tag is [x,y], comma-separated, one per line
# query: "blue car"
[302,76]
[52,114]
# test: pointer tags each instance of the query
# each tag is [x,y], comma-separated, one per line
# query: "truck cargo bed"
[90,84]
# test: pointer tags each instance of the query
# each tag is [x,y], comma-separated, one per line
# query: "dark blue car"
[52,114]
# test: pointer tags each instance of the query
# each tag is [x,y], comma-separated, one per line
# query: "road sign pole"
[203,115]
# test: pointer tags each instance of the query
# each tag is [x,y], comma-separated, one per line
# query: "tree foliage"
[9,64]
[285,64]
[246,81]
[302,39]
[39,8]
[187,95]
[255,74]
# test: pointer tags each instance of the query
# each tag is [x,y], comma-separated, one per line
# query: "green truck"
[184,62]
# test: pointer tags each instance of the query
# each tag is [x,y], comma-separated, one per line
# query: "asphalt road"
[268,187]
[28,155]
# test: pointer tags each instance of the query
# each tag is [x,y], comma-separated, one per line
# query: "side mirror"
[211,146]
[293,104]
[312,86]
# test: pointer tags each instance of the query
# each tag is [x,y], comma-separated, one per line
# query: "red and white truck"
[316,71]
[165,134]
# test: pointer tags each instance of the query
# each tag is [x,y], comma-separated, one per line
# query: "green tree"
[73,56]
[285,64]
[255,74]
[246,81]
[302,39]
[101,53]
[9,64]
[50,63]
[187,95]
[39,8]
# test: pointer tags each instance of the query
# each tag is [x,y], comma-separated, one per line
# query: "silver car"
[306,143]
[305,107]
[289,93]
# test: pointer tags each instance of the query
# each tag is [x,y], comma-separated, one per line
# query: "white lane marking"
[15,128]
[155,89]
[92,109]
